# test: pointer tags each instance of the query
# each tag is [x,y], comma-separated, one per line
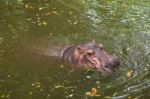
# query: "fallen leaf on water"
[88,77]
[37,84]
[129,97]
[40,8]
[70,12]
[49,13]
[48,95]
[129,73]
[115,93]
[30,93]
[39,24]
[7,96]
[61,66]
[62,11]
[3,95]
[76,22]
[92,93]
[58,86]
[55,12]
[107,97]
[8,76]
[44,23]
[29,6]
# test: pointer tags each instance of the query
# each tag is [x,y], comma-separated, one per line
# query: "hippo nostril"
[108,66]
[113,64]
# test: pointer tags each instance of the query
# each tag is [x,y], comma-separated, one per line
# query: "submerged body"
[89,55]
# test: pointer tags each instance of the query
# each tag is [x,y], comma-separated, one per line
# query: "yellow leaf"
[129,97]
[88,94]
[129,73]
[76,22]
[44,23]
[93,93]
[70,12]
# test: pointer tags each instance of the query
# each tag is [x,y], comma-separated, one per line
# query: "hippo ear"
[80,50]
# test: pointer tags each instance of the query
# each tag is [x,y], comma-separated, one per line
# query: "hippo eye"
[91,53]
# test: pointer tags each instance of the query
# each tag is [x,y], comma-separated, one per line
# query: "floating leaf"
[98,82]
[40,8]
[30,93]
[108,97]
[7,96]
[44,23]
[88,77]
[48,95]
[59,86]
[88,93]
[29,6]
[115,93]
[49,13]
[3,95]
[61,66]
[41,89]
[39,24]
[129,73]
[69,21]
[62,11]
[70,95]
[70,12]
[109,85]
[76,22]
[8,76]
[129,97]
[55,12]
[92,93]
[26,6]
[36,84]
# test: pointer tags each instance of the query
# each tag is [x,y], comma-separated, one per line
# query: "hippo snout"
[113,63]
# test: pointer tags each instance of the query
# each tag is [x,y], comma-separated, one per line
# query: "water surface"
[29,27]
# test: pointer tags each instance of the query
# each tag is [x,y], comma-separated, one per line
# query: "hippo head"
[94,56]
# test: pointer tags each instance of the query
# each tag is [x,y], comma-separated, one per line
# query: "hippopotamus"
[89,55]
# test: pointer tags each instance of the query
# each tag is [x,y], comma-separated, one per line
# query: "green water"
[28,27]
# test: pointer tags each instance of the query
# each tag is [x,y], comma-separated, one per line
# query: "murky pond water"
[30,26]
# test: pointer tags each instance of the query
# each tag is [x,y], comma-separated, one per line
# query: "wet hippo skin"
[89,55]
